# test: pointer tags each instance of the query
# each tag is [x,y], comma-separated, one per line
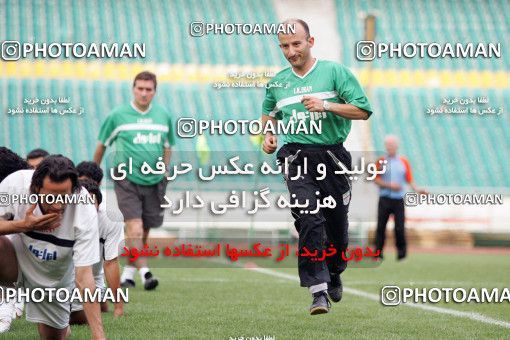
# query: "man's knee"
[311,225]
[8,262]
[399,226]
[311,220]
[134,228]
[5,244]
[104,307]
[48,332]
[78,318]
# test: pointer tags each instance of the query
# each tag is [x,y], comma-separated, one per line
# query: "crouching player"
[11,162]
[46,239]
[111,236]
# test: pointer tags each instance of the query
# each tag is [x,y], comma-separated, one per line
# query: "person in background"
[327,92]
[11,162]
[111,236]
[391,196]
[142,132]
[36,156]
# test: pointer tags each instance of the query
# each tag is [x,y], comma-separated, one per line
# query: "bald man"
[391,196]
[323,92]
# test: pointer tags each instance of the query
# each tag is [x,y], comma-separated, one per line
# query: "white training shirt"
[111,238]
[46,257]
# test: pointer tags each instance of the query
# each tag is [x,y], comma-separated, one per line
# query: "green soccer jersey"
[326,80]
[141,136]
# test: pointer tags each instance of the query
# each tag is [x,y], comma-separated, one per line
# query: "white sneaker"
[6,312]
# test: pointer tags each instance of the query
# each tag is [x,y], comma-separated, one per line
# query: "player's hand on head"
[270,144]
[33,222]
[313,104]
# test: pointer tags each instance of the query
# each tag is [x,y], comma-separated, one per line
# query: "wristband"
[326,105]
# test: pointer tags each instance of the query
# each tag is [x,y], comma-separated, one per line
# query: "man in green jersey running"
[325,91]
[142,133]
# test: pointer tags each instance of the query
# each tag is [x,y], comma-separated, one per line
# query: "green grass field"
[235,302]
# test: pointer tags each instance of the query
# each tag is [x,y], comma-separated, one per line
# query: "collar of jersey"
[140,112]
[307,73]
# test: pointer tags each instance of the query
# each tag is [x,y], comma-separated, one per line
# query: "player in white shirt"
[11,162]
[111,237]
[46,241]
[110,231]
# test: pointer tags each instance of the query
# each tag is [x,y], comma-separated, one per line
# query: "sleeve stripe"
[409,174]
[273,113]
[296,99]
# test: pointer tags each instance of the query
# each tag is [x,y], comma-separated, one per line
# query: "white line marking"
[375,297]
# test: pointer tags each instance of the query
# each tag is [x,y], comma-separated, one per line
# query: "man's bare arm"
[31,222]
[270,141]
[167,154]
[13,227]
[348,111]
[84,280]
[266,118]
[112,274]
[416,189]
[388,185]
[98,154]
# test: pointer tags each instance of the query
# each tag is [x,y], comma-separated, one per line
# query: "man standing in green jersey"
[328,92]
[142,133]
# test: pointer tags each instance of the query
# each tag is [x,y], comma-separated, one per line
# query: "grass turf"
[234,302]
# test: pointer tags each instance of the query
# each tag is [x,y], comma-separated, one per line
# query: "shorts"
[54,314]
[141,202]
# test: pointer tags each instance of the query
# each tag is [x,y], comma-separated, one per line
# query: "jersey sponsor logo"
[150,138]
[302,115]
[302,89]
[44,254]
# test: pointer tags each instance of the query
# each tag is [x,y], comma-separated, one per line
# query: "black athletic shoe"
[150,281]
[335,288]
[320,304]
[128,284]
[379,258]
[401,254]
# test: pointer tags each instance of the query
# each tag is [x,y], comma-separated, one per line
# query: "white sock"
[143,271]
[18,309]
[128,273]
[318,288]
